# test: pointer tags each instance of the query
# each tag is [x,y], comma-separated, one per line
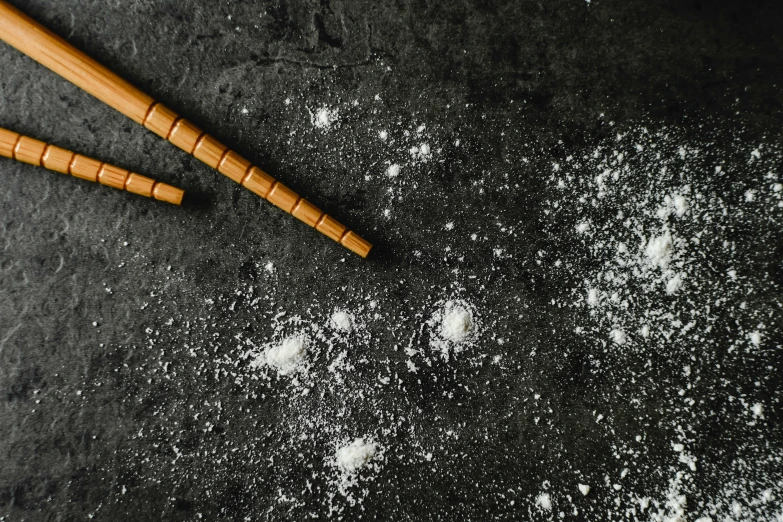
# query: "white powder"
[383,135]
[286,357]
[582,227]
[618,336]
[545,501]
[659,251]
[324,117]
[342,321]
[457,324]
[592,297]
[393,171]
[354,456]
[674,284]
[755,338]
[422,152]
[758,410]
[584,489]
[454,326]
[680,205]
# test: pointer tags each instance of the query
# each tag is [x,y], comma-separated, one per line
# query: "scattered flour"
[393,171]
[641,251]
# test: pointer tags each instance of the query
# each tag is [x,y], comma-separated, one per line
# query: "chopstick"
[40,44]
[38,153]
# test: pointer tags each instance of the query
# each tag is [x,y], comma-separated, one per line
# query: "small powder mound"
[342,321]
[324,117]
[393,171]
[457,323]
[659,251]
[545,501]
[674,284]
[356,455]
[454,327]
[286,357]
[618,336]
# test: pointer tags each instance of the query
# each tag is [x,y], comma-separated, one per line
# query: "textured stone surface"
[73,253]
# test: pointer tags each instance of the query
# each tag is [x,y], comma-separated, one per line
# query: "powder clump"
[454,327]
[659,250]
[286,357]
[457,324]
[342,321]
[354,456]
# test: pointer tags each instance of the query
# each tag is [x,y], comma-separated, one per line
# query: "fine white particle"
[584,489]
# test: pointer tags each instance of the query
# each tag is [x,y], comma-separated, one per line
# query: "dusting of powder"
[642,230]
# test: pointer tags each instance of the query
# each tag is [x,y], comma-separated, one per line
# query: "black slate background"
[456,66]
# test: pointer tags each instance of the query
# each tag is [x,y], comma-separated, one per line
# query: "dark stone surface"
[508,79]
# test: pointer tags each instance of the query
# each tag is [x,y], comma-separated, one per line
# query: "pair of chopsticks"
[51,51]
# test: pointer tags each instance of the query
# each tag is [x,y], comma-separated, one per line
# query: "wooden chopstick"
[40,44]
[38,153]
